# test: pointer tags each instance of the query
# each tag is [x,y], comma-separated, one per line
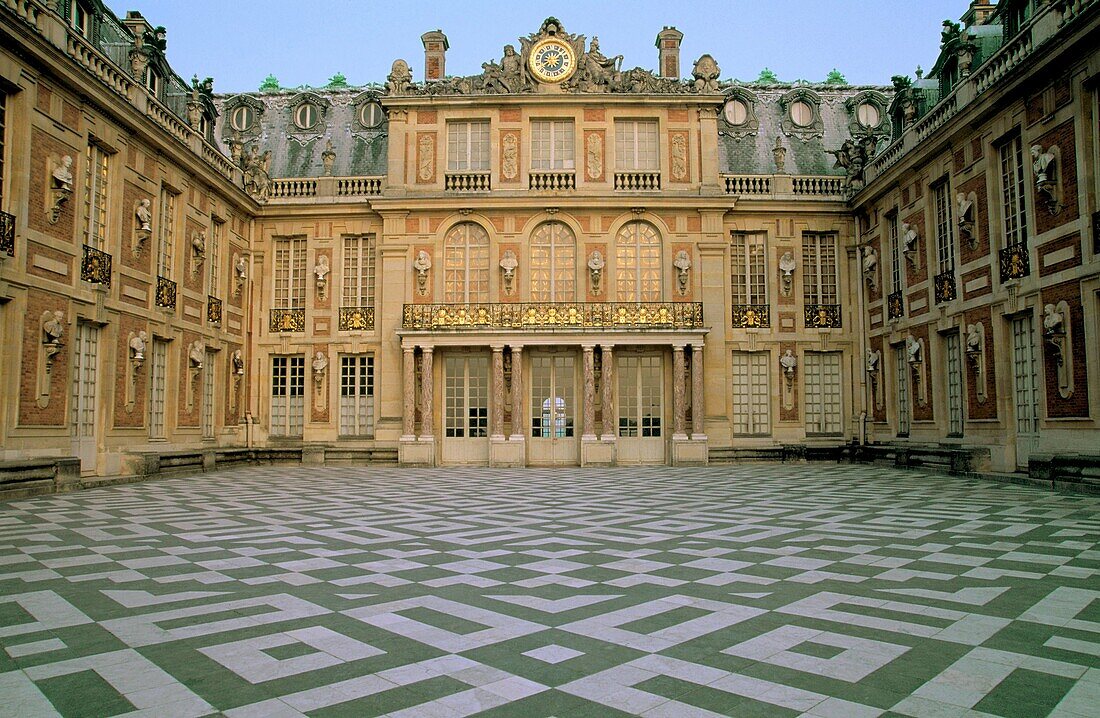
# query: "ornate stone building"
[559,260]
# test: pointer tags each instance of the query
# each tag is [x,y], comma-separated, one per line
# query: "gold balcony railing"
[165,297]
[7,234]
[945,286]
[822,316]
[752,316]
[554,315]
[356,319]
[288,320]
[95,267]
[213,310]
[895,305]
[1015,262]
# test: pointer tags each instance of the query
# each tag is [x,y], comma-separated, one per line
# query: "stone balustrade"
[552,180]
[467,182]
[638,181]
[553,315]
[805,186]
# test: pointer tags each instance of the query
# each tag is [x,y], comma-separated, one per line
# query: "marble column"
[608,392]
[589,393]
[496,410]
[408,413]
[427,395]
[679,392]
[698,417]
[518,394]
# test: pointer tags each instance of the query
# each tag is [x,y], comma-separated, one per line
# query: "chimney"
[978,13]
[137,24]
[435,54]
[668,48]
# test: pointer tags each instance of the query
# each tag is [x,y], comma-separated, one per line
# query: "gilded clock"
[552,60]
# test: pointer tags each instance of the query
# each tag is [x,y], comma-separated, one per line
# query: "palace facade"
[559,260]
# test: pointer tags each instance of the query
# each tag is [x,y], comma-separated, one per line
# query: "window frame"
[814,274]
[465,282]
[1010,155]
[642,280]
[553,263]
[945,234]
[166,232]
[555,128]
[631,138]
[359,271]
[461,145]
[748,268]
[292,272]
[96,186]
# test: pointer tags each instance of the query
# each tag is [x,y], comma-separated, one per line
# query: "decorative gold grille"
[288,320]
[213,310]
[7,234]
[554,315]
[895,306]
[822,316]
[945,286]
[95,267]
[1015,262]
[356,319]
[752,315]
[166,293]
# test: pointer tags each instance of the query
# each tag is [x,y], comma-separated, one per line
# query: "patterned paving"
[759,590]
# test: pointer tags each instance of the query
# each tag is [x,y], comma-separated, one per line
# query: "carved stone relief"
[911,242]
[873,365]
[870,267]
[914,354]
[509,156]
[594,156]
[787,265]
[240,273]
[422,264]
[320,373]
[596,264]
[136,345]
[964,210]
[682,264]
[1056,330]
[508,264]
[143,226]
[198,251]
[975,353]
[678,150]
[61,185]
[425,158]
[1046,164]
[320,274]
[788,364]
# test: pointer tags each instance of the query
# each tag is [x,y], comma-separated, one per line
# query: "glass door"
[466,409]
[641,410]
[553,409]
[84,430]
[1026,386]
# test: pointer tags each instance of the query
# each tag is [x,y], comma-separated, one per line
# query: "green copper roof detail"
[767,77]
[270,84]
[835,78]
[337,81]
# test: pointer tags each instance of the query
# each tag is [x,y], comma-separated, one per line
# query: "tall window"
[167,232]
[213,251]
[553,263]
[747,269]
[901,364]
[81,17]
[290,273]
[954,385]
[468,146]
[819,269]
[3,140]
[823,396]
[751,396]
[95,197]
[636,145]
[945,239]
[1012,191]
[288,382]
[357,395]
[208,395]
[466,264]
[552,145]
[638,263]
[895,254]
[358,286]
[158,375]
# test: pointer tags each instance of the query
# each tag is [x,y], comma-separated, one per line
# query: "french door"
[83,422]
[954,385]
[641,409]
[1026,388]
[466,409]
[901,365]
[553,409]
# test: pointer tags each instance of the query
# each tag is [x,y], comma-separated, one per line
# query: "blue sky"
[241,42]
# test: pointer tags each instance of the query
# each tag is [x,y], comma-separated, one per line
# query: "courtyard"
[753,590]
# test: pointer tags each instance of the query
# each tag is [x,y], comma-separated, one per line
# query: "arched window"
[638,263]
[553,263]
[466,264]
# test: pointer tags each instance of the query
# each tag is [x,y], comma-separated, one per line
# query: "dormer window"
[152,82]
[801,113]
[868,115]
[371,115]
[736,112]
[242,118]
[81,19]
[306,116]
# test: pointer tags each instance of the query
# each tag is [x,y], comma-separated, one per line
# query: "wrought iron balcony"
[95,267]
[895,305]
[945,286]
[7,234]
[213,310]
[467,182]
[552,180]
[166,293]
[822,316]
[751,316]
[356,319]
[288,320]
[638,181]
[554,315]
[1015,262]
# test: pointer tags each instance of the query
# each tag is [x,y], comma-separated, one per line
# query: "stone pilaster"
[698,417]
[519,393]
[497,408]
[679,392]
[408,411]
[608,391]
[427,395]
[589,432]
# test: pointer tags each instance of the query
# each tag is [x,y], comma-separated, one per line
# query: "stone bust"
[137,346]
[1053,321]
[63,174]
[913,349]
[54,329]
[1041,162]
[973,338]
[872,361]
[238,363]
[196,353]
[788,362]
[144,216]
[321,269]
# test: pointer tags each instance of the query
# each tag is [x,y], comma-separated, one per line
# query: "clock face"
[552,60]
